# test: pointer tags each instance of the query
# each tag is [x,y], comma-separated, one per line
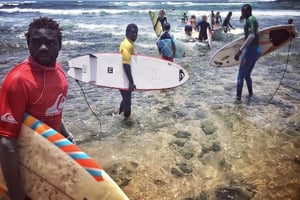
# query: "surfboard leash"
[283,75]
[91,109]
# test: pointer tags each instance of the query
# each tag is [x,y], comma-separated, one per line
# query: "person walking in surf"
[251,51]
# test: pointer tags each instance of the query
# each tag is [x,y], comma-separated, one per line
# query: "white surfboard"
[53,168]
[218,33]
[106,70]
[193,41]
[270,39]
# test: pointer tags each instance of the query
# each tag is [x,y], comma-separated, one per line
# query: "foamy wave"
[94,27]
[70,12]
[141,3]
[15,3]
[76,43]
[251,1]
[257,13]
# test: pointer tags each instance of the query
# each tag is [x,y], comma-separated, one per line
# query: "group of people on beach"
[38,85]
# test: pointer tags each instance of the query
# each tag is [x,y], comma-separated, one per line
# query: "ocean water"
[191,142]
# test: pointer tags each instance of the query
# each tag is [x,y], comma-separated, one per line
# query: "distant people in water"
[161,18]
[218,18]
[212,18]
[190,26]
[226,24]
[184,18]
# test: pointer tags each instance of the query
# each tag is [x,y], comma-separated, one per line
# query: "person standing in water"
[251,51]
[184,18]
[166,45]
[226,24]
[36,86]
[162,19]
[127,49]
[218,18]
[202,26]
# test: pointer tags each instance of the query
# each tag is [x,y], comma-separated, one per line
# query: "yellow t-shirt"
[126,49]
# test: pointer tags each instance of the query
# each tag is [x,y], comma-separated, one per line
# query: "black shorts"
[188,28]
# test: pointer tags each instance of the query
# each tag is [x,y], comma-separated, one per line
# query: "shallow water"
[195,141]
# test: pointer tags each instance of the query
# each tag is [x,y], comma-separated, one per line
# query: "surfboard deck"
[193,41]
[182,49]
[53,168]
[270,39]
[106,70]
[158,28]
[218,33]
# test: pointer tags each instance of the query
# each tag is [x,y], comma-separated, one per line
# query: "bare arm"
[127,69]
[9,158]
[66,133]
[248,41]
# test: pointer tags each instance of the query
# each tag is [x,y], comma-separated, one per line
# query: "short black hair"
[167,26]
[44,22]
[247,7]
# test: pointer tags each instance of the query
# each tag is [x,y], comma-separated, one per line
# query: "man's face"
[44,46]
[132,34]
[245,13]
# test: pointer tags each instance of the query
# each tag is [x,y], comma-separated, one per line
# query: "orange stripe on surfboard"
[65,145]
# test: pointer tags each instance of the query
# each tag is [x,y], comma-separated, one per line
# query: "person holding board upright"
[37,86]
[251,51]
[162,19]
[127,49]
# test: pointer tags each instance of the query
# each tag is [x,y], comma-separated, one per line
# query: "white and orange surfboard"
[53,168]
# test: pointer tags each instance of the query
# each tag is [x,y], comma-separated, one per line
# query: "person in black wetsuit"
[202,26]
[226,24]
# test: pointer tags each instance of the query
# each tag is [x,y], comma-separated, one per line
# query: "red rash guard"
[38,90]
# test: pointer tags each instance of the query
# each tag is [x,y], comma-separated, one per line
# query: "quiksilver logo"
[8,117]
[57,107]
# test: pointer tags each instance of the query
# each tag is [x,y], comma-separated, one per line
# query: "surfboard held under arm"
[53,168]
[106,70]
[270,39]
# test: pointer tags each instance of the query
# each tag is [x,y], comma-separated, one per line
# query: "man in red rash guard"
[37,86]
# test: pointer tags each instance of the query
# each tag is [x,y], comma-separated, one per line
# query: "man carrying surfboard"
[162,19]
[166,45]
[127,49]
[37,86]
[251,50]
